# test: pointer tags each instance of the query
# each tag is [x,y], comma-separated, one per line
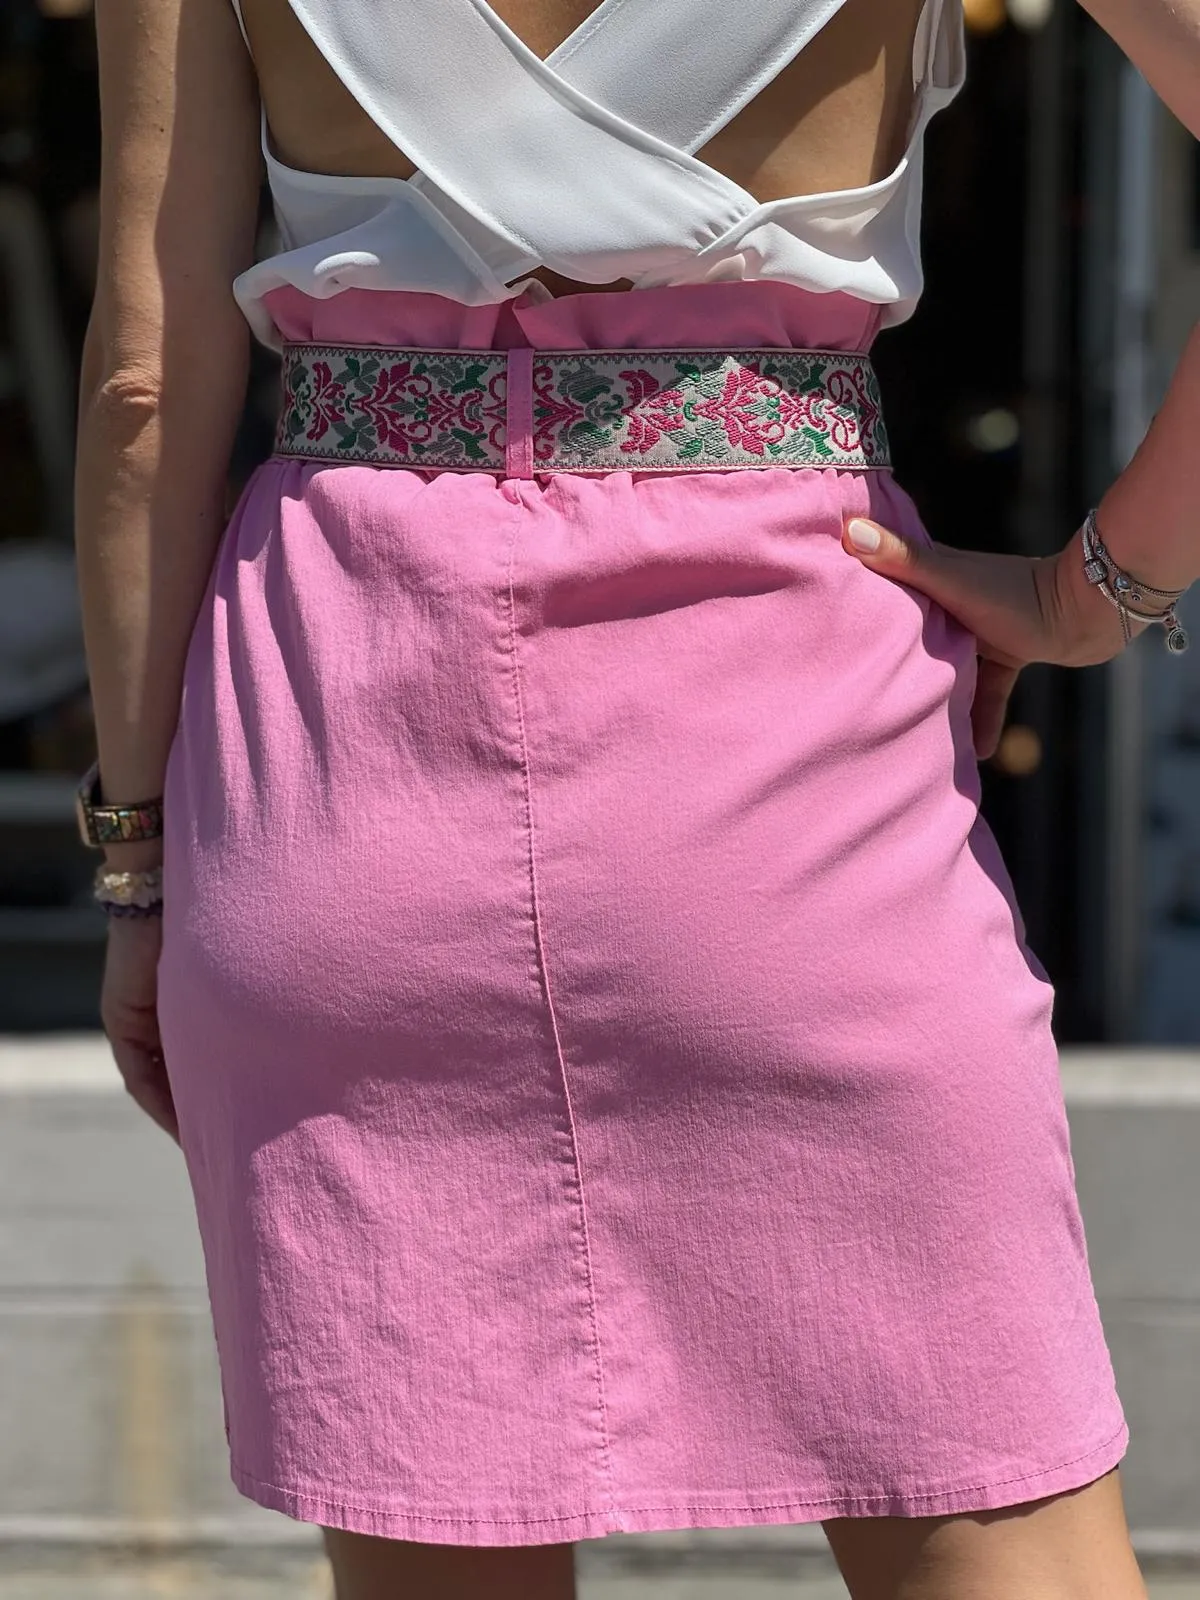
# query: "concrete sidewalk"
[110,1426]
[292,1576]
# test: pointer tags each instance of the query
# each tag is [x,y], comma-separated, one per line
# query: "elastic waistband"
[524,412]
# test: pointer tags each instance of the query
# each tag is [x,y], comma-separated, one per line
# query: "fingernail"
[863,536]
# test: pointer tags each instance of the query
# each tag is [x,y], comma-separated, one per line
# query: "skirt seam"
[844,1498]
[551,1009]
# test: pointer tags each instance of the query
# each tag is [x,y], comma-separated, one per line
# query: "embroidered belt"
[522,412]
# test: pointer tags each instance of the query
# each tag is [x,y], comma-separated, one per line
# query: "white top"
[584,163]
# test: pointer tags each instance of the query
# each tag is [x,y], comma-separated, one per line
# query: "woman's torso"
[815,180]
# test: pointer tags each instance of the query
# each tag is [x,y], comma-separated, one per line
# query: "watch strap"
[101,824]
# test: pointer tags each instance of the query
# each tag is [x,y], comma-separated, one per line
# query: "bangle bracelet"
[156,910]
[100,823]
[1129,594]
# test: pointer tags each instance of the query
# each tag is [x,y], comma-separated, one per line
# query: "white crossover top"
[585,163]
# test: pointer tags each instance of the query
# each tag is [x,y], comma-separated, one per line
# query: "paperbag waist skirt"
[614,1082]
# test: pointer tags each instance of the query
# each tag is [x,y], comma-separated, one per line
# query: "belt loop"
[518,417]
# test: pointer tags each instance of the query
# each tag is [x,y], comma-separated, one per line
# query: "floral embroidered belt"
[521,412]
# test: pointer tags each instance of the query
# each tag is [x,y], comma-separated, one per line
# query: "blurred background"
[1062,243]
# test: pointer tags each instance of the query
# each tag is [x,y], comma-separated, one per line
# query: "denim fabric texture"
[616,1089]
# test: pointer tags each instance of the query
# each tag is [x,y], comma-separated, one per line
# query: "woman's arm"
[1022,609]
[164,370]
[164,377]
[1150,517]
[1162,39]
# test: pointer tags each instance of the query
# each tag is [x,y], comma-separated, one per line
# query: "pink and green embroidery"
[592,411]
[400,407]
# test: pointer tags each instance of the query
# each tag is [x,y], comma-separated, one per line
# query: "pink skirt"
[616,1089]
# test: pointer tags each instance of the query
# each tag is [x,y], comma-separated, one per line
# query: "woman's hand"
[128,1010]
[1020,609]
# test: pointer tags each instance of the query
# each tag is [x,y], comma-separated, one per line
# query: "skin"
[163,383]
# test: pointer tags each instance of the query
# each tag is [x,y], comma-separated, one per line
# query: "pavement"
[616,1574]
[110,1426]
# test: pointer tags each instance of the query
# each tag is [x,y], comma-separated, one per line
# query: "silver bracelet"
[1127,593]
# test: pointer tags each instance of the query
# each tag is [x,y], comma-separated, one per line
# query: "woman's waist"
[532,407]
[742,314]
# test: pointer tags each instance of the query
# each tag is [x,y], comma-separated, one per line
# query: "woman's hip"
[670,696]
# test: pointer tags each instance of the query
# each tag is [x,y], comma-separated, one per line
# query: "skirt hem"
[424,1528]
